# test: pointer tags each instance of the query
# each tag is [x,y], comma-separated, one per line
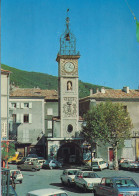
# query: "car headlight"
[89,184]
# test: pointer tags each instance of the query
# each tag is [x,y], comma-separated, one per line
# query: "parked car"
[47,192]
[41,158]
[99,164]
[30,159]
[18,177]
[116,186]
[21,161]
[86,180]
[32,155]
[12,159]
[129,165]
[33,166]
[68,176]
[51,164]
[41,162]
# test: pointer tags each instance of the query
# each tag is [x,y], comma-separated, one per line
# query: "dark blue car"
[116,186]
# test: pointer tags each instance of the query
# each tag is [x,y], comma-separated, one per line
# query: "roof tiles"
[34,92]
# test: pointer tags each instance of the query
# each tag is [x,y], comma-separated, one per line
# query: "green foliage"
[108,122]
[24,79]
[7,150]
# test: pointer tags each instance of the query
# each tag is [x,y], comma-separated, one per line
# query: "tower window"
[69,85]
[70,128]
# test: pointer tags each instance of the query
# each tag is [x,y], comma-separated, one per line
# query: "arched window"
[70,128]
[69,85]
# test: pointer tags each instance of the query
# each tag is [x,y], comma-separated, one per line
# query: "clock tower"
[67,59]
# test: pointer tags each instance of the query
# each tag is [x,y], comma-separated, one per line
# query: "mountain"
[25,79]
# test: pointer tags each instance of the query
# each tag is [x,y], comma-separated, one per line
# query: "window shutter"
[21,118]
[22,105]
[30,105]
[17,105]
[49,111]
[49,126]
[17,118]
[30,118]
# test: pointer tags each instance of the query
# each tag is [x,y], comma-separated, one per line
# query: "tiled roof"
[34,92]
[5,71]
[115,94]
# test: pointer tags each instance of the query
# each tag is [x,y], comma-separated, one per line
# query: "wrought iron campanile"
[67,42]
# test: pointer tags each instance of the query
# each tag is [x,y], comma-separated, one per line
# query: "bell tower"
[67,59]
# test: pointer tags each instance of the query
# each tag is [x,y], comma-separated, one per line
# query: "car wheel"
[20,181]
[62,181]
[69,184]
[95,194]
[84,188]
[33,169]
[76,186]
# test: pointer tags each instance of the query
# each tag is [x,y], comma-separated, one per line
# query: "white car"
[47,192]
[99,164]
[30,159]
[16,175]
[41,162]
[68,176]
[86,180]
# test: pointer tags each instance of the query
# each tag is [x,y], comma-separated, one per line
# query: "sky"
[105,32]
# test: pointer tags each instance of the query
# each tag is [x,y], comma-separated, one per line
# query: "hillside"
[25,79]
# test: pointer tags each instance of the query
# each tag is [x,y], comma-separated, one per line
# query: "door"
[111,156]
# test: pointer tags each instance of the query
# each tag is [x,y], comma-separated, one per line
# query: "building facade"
[32,119]
[130,100]
[5,75]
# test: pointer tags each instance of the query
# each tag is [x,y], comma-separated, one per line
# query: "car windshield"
[72,172]
[94,163]
[90,175]
[46,162]
[125,183]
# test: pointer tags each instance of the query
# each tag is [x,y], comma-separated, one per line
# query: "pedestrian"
[13,179]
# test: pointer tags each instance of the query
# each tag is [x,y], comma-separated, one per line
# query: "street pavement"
[51,179]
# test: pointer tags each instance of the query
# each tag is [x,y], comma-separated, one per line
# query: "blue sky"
[105,31]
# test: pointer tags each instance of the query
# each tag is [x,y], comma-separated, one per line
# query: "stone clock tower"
[67,59]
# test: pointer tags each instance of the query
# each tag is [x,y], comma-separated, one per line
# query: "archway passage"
[70,153]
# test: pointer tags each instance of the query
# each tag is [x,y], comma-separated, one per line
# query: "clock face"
[69,67]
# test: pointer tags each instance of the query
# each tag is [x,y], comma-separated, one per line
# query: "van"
[99,164]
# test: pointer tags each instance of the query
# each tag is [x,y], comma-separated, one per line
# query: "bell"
[67,37]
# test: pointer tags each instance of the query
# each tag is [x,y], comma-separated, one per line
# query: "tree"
[109,123]
[8,149]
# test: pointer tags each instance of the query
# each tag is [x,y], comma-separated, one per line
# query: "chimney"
[126,89]
[91,91]
[103,90]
